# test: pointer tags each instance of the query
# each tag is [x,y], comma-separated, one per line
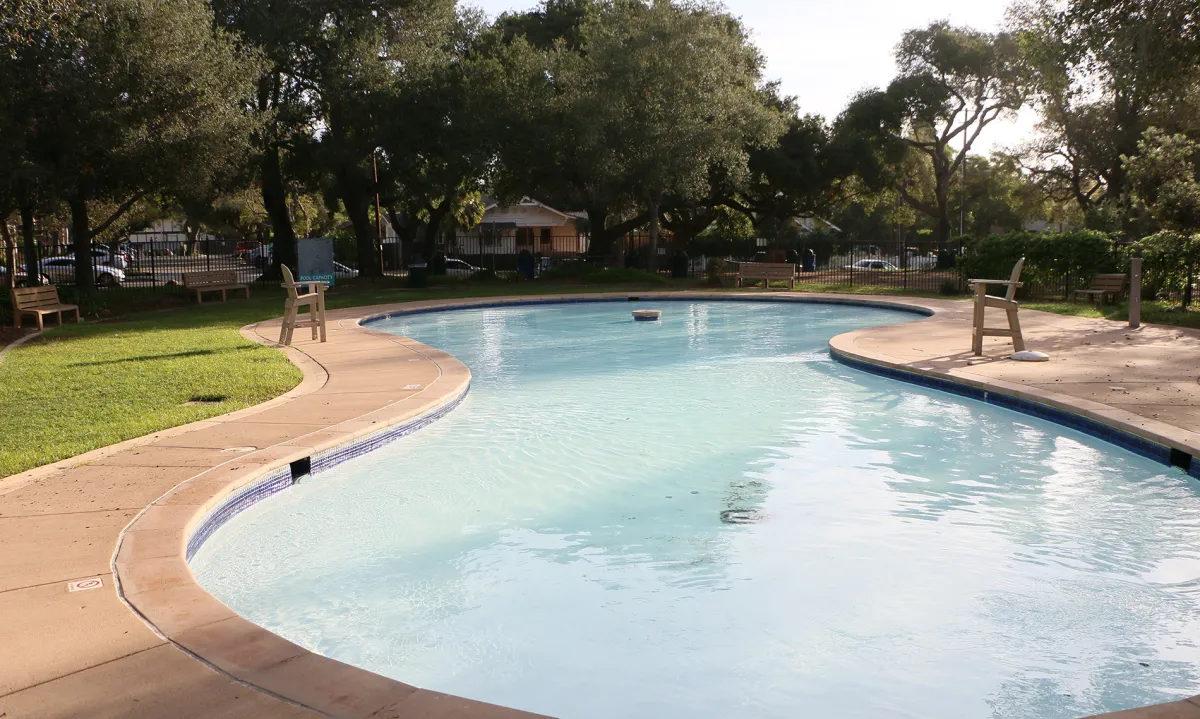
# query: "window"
[546,235]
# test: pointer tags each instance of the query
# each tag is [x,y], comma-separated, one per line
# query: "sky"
[824,51]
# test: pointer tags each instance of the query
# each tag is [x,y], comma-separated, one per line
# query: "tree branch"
[124,207]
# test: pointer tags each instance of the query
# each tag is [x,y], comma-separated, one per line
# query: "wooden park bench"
[39,301]
[767,272]
[213,281]
[1104,286]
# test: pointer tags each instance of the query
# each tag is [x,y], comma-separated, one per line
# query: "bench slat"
[197,280]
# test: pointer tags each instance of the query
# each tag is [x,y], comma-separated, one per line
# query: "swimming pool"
[706,516]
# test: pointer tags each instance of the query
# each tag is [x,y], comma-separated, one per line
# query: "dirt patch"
[8,335]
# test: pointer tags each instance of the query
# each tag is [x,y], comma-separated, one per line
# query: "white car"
[871,265]
[61,271]
[342,272]
[458,268]
[103,256]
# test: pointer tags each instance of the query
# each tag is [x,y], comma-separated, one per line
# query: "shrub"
[1050,257]
[572,270]
[624,274]
[1170,261]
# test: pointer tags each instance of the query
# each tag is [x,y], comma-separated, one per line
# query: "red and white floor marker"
[82,585]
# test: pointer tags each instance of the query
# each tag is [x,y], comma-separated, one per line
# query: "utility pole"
[962,205]
[378,217]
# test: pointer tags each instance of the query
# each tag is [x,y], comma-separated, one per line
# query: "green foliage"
[567,271]
[1170,261]
[118,100]
[953,83]
[1166,179]
[1102,72]
[1048,255]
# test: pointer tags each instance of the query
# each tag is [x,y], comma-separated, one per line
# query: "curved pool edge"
[1160,442]
[150,562]
[154,579]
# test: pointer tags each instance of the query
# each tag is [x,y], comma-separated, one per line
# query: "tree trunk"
[436,216]
[652,262]
[943,230]
[81,243]
[192,232]
[358,209]
[33,274]
[599,239]
[10,254]
[406,232]
[275,201]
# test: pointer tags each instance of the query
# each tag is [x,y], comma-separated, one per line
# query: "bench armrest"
[995,282]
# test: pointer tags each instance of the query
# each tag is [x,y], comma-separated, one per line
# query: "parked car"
[22,277]
[102,255]
[259,257]
[246,246]
[342,272]
[458,268]
[871,265]
[61,270]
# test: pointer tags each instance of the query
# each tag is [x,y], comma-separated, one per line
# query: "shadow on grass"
[173,355]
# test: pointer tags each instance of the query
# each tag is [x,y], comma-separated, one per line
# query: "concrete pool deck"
[148,641]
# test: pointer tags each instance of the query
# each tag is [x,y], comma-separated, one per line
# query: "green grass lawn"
[87,386]
[1161,313]
[90,385]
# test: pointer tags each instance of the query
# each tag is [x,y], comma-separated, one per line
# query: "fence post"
[1135,292]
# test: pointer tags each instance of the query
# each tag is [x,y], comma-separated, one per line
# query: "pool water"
[706,516]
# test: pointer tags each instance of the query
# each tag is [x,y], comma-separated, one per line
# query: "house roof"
[491,204]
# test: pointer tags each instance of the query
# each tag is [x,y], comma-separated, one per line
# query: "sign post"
[315,260]
[1135,292]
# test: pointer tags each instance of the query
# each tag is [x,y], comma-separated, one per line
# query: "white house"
[164,232]
[525,225]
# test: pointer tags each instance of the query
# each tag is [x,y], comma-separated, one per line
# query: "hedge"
[1054,261]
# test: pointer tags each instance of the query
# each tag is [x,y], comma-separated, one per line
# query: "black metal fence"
[147,261]
[825,261]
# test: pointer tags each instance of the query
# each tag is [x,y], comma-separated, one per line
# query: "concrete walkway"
[161,646]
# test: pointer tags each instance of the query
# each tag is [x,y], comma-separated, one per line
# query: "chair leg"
[41,322]
[1014,324]
[312,319]
[977,320]
[321,306]
[283,328]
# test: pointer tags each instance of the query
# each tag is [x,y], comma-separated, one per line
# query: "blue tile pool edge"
[651,297]
[282,478]
[1114,435]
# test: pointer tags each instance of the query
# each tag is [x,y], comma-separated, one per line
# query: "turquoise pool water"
[707,517]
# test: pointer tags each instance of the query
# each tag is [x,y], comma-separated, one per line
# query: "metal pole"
[1135,292]
[378,218]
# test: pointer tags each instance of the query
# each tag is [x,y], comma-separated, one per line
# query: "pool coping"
[149,563]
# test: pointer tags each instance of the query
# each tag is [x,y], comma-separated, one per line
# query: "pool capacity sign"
[315,260]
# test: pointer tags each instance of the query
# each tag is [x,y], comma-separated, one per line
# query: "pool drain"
[741,516]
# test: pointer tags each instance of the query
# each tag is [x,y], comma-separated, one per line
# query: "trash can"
[679,265]
[418,273]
